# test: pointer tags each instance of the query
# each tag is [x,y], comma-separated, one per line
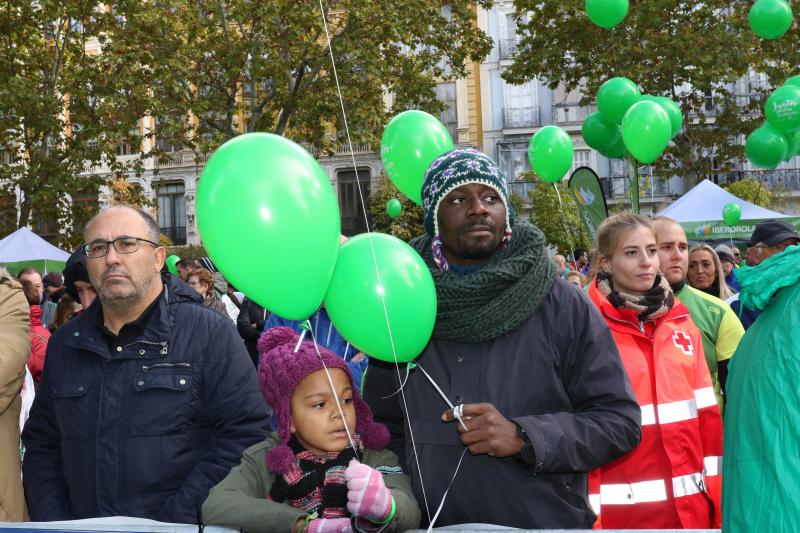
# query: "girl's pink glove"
[330,525]
[367,496]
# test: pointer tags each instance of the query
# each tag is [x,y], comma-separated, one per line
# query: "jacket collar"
[89,334]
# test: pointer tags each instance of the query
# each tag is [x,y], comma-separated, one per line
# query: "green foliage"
[406,226]
[64,108]
[751,191]
[562,228]
[690,51]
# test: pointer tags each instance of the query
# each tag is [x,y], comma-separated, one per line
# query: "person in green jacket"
[326,469]
[761,468]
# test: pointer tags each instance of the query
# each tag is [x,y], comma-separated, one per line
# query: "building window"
[446,93]
[583,158]
[165,142]
[513,158]
[172,211]
[352,213]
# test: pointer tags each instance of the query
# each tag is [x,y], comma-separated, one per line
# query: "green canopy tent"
[699,212]
[24,248]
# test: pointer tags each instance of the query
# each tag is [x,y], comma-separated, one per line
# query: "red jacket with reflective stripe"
[672,479]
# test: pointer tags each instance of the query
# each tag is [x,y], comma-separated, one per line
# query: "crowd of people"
[552,394]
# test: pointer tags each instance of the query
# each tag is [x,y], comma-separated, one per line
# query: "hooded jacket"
[147,429]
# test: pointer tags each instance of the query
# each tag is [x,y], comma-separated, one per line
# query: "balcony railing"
[508,47]
[521,117]
[184,158]
[788,179]
[342,149]
[572,112]
[176,234]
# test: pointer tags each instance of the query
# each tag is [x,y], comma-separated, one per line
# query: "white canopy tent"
[25,248]
[699,211]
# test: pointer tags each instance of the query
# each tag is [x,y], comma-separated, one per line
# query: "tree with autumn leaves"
[77,79]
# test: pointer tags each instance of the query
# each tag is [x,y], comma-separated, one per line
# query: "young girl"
[306,477]
[672,479]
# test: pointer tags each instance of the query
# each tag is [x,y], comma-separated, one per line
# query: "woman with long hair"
[705,272]
[671,480]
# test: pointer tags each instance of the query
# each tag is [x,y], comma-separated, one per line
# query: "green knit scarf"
[497,298]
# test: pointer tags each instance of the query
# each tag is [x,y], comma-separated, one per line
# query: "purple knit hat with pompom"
[280,370]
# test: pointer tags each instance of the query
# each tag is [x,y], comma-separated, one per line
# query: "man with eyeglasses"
[769,238]
[148,398]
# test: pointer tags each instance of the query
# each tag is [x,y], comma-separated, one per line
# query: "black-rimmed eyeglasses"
[123,245]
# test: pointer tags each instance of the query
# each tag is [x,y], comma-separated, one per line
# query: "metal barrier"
[112,523]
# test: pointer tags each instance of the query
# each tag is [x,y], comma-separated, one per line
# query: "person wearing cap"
[769,238]
[729,263]
[531,366]
[326,469]
[53,284]
[147,399]
[762,429]
[718,325]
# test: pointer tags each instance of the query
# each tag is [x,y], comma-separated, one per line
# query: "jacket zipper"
[146,368]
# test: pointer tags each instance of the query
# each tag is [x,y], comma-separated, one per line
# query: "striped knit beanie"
[450,171]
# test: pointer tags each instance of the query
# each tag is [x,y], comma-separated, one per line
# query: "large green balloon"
[606,13]
[171,264]
[783,109]
[646,130]
[270,221]
[731,213]
[550,152]
[794,80]
[355,305]
[672,109]
[793,140]
[603,136]
[394,208]
[615,97]
[766,147]
[770,19]
[410,142]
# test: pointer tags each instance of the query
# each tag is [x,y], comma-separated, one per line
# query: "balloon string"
[372,249]
[441,504]
[456,413]
[335,394]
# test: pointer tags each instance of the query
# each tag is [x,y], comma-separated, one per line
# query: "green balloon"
[606,13]
[794,80]
[393,208]
[550,152]
[793,141]
[731,213]
[603,136]
[673,111]
[615,97]
[770,19]
[355,305]
[646,130]
[766,147]
[783,109]
[410,142]
[171,264]
[270,221]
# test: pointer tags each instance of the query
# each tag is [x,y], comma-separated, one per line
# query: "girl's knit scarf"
[314,482]
[497,298]
[654,303]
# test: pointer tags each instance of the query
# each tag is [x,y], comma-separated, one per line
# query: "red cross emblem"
[683,341]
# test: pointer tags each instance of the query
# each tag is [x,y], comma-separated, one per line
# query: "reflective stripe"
[712,466]
[688,485]
[677,411]
[633,493]
[594,502]
[705,397]
[648,415]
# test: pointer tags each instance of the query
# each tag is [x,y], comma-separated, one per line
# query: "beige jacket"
[15,347]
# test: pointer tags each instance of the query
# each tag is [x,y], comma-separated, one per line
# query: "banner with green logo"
[716,229]
[588,195]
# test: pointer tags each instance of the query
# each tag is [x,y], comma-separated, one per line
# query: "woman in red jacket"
[672,479]
[40,335]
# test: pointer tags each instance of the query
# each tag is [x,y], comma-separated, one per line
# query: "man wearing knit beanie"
[529,363]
